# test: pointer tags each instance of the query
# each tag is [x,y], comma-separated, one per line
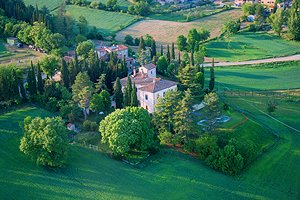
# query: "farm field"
[50,4]
[92,175]
[18,56]
[106,22]
[251,46]
[271,76]
[166,32]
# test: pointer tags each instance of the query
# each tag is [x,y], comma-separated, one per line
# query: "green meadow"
[251,46]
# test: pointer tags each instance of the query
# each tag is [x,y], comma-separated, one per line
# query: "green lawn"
[251,46]
[50,4]
[171,175]
[3,50]
[261,77]
[193,13]
[106,22]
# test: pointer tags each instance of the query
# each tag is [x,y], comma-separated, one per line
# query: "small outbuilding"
[12,41]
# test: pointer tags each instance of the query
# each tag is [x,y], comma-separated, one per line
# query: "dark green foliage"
[45,141]
[162,65]
[153,49]
[142,45]
[173,51]
[127,129]
[31,79]
[128,92]
[294,21]
[90,126]
[65,74]
[168,54]
[40,83]
[10,78]
[161,50]
[134,99]
[118,93]
[129,40]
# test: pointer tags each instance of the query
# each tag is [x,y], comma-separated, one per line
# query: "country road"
[254,62]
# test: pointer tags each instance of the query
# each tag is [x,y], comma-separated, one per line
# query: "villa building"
[149,88]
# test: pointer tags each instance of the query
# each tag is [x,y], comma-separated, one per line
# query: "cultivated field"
[251,46]
[18,56]
[261,77]
[50,4]
[93,175]
[165,32]
[106,22]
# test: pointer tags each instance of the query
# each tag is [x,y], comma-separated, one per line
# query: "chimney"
[134,71]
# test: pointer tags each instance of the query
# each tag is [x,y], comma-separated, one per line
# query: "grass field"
[166,32]
[262,77]
[172,175]
[193,13]
[50,4]
[251,46]
[106,22]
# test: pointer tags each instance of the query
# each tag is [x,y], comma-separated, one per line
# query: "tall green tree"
[40,83]
[173,51]
[212,76]
[101,83]
[183,116]
[118,93]
[162,65]
[72,71]
[153,49]
[82,91]
[126,129]
[294,21]
[168,54]
[182,43]
[127,92]
[101,102]
[65,74]
[161,50]
[142,45]
[276,20]
[134,99]
[31,79]
[45,140]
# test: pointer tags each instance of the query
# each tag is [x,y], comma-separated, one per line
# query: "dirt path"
[254,62]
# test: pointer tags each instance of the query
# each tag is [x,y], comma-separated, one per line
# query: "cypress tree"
[173,51]
[40,84]
[142,44]
[65,74]
[212,76]
[179,59]
[192,58]
[118,93]
[72,72]
[294,20]
[127,92]
[31,81]
[161,50]
[134,99]
[203,79]
[168,54]
[153,49]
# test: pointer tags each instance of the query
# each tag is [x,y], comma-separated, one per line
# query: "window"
[146,107]
[146,97]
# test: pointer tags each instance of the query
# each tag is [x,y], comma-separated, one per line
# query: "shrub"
[206,145]
[90,126]
[190,146]
[165,137]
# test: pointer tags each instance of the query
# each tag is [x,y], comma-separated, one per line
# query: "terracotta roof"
[158,85]
[149,66]
[121,47]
